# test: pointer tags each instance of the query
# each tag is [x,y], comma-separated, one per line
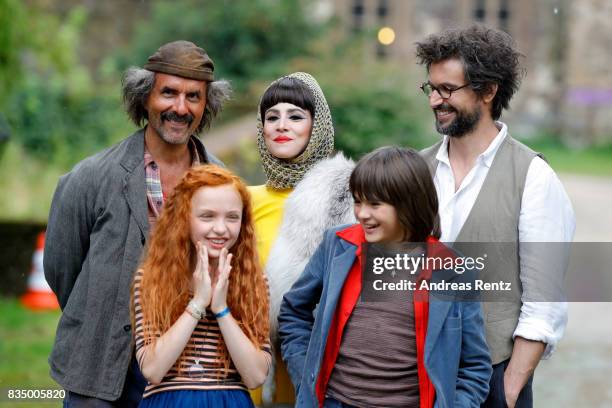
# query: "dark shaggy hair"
[400,177]
[137,84]
[287,90]
[489,57]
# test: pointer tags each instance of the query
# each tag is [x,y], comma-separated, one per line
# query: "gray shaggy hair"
[137,84]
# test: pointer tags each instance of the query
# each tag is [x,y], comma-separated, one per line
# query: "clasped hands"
[207,290]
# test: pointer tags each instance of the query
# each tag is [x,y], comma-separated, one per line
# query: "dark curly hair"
[489,57]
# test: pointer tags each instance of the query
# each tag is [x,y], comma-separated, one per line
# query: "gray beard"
[160,131]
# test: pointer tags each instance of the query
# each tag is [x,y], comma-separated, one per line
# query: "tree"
[247,39]
[12,39]
[52,106]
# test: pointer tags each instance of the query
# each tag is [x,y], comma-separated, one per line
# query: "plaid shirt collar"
[155,195]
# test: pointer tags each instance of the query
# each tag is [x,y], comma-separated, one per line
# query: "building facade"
[567,91]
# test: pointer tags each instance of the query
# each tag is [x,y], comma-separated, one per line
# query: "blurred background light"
[386,36]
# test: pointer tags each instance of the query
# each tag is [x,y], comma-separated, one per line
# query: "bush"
[52,123]
[369,117]
[247,39]
[56,113]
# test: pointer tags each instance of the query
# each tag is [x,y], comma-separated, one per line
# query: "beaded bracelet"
[222,313]
[194,310]
[193,313]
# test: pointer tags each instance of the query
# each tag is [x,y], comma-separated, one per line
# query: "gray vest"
[494,218]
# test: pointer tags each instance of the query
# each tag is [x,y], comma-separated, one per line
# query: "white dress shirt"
[546,216]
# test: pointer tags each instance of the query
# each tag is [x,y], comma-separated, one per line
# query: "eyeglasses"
[443,91]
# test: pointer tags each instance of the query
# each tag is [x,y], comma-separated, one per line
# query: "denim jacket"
[456,354]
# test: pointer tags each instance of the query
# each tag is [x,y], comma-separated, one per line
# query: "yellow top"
[268,206]
[268,210]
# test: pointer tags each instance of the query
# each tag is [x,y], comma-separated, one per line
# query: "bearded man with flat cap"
[101,215]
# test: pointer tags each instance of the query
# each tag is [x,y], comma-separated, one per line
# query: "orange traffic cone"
[39,295]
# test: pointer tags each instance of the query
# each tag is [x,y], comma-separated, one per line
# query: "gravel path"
[580,372]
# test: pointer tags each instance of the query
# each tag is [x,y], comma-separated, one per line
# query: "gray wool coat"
[97,229]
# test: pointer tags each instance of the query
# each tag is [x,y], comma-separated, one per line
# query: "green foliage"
[591,160]
[28,191]
[12,38]
[54,123]
[247,39]
[55,113]
[369,117]
[32,43]
[373,103]
[27,338]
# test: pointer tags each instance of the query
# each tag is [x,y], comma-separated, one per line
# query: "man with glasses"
[491,188]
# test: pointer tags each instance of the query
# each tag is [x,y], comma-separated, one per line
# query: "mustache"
[444,106]
[175,117]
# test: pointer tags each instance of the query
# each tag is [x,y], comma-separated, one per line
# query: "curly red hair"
[170,260]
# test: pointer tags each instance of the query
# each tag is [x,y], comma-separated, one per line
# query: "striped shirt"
[201,368]
[377,359]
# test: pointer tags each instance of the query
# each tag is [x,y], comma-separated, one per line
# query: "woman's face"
[216,218]
[286,130]
[379,221]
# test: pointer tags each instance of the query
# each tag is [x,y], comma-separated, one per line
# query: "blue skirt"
[199,399]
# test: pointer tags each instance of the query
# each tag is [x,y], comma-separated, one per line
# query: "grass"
[26,338]
[594,161]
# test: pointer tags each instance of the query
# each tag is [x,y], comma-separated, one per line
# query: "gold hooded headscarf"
[281,173]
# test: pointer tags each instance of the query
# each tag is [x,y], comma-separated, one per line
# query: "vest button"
[127,327]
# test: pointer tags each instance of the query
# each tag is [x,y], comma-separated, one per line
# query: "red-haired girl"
[200,299]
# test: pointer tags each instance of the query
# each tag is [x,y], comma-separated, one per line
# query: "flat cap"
[184,59]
